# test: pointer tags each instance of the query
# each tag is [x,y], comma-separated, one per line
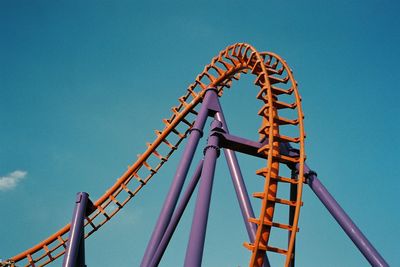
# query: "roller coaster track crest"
[278,94]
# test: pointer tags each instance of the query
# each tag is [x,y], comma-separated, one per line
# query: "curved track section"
[277,86]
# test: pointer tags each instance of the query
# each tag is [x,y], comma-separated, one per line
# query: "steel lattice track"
[275,80]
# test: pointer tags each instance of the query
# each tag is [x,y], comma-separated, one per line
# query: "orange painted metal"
[271,72]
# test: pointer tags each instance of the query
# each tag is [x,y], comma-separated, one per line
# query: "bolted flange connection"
[213,140]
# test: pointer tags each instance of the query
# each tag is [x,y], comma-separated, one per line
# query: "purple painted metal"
[242,145]
[362,243]
[165,226]
[194,252]
[358,238]
[179,179]
[177,216]
[75,251]
[238,183]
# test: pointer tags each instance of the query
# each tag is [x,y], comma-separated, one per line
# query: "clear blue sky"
[83,84]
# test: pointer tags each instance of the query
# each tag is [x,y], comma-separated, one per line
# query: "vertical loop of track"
[275,80]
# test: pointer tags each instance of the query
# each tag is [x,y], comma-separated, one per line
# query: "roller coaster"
[280,145]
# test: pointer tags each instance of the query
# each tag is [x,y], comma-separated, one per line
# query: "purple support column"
[177,216]
[240,188]
[366,248]
[74,254]
[238,183]
[194,252]
[179,178]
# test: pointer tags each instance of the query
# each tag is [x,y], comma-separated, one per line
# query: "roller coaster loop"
[278,149]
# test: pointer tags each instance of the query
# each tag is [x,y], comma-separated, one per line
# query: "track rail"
[275,80]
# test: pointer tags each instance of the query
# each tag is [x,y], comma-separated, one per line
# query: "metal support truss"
[75,251]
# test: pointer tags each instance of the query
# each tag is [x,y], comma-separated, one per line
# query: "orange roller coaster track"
[276,82]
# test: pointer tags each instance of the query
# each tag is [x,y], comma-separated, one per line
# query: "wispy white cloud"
[11,180]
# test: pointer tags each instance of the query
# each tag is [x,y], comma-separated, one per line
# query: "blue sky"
[83,84]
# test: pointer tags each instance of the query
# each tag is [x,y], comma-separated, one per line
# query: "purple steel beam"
[358,238]
[179,178]
[241,145]
[81,254]
[177,216]
[194,252]
[75,251]
[238,183]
